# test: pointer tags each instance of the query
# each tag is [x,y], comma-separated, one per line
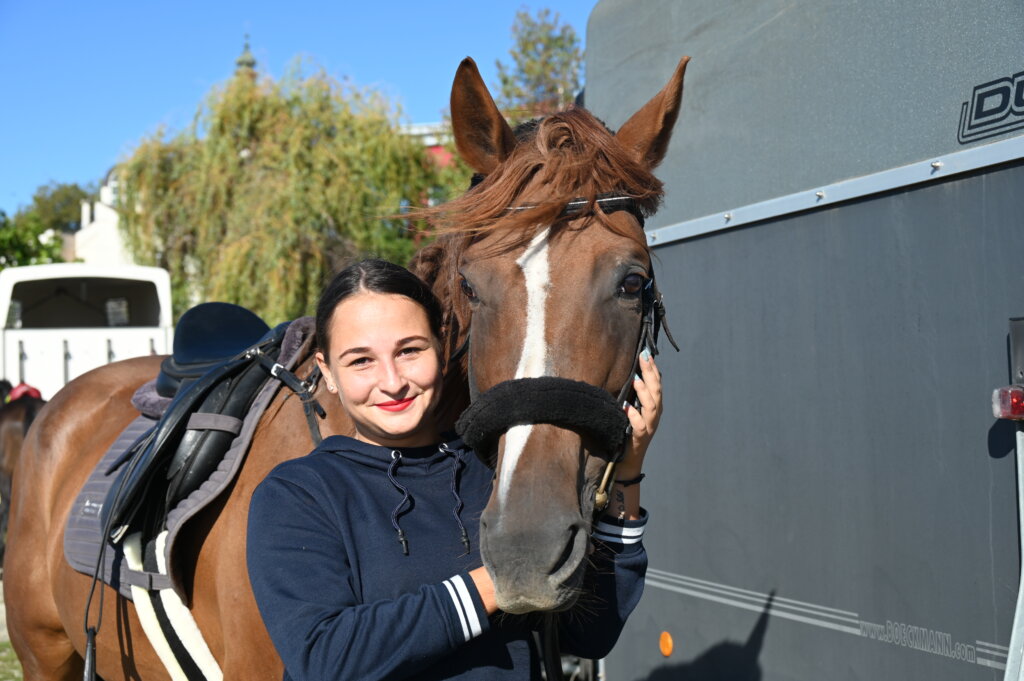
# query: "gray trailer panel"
[830,495]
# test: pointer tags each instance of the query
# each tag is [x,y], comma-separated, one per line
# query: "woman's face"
[385,367]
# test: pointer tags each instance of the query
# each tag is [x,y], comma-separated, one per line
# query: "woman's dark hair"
[375,276]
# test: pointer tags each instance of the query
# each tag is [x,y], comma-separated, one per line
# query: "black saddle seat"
[207,335]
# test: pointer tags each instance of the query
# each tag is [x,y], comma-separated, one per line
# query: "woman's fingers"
[636,421]
[645,395]
[650,373]
[648,392]
[644,421]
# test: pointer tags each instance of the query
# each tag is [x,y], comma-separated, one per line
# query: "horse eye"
[468,290]
[632,284]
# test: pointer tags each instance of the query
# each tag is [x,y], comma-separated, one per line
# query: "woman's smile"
[396,405]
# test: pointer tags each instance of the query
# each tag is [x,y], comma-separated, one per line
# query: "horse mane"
[572,155]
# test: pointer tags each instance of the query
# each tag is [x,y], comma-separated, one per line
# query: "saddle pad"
[83,534]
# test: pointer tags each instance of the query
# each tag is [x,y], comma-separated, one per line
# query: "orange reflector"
[1008,403]
[665,643]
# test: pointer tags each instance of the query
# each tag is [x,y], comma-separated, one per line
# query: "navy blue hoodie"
[342,600]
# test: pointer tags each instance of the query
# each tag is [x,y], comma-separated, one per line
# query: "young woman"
[363,555]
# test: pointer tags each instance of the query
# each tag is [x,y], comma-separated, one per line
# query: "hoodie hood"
[446,457]
[418,461]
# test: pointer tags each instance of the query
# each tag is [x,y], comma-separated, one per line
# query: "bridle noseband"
[586,409]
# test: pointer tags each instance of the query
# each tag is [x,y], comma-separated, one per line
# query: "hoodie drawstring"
[457,464]
[396,456]
[457,509]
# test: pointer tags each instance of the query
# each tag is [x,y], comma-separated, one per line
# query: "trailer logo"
[995,108]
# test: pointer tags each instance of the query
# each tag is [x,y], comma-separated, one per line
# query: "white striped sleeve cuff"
[619,531]
[462,599]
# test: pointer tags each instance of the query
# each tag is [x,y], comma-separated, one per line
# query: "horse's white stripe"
[534,263]
[534,358]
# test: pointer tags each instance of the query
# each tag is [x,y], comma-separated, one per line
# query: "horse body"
[46,598]
[545,295]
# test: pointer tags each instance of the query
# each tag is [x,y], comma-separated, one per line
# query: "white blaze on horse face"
[534,358]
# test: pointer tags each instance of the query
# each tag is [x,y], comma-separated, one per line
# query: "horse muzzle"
[535,531]
[538,567]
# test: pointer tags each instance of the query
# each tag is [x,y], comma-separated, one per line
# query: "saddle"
[222,357]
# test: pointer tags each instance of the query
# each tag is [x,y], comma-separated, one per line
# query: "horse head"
[544,267]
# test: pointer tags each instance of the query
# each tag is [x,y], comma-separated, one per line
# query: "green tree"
[544,75]
[272,187]
[59,206]
[26,240]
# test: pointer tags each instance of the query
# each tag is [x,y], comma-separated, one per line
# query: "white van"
[62,320]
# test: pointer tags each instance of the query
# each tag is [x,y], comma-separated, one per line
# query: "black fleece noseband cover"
[577,406]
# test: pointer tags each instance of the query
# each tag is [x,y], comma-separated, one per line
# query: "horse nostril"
[567,551]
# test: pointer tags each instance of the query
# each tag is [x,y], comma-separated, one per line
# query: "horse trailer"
[841,249]
[62,320]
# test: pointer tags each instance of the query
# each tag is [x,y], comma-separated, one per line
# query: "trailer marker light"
[665,643]
[1008,403]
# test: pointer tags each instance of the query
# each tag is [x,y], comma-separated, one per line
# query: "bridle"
[608,202]
[594,411]
[652,319]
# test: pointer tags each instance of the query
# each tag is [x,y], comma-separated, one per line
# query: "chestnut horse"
[538,291]
[15,418]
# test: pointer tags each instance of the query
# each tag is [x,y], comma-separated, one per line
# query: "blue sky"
[84,82]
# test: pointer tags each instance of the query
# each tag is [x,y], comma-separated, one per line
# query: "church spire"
[245,61]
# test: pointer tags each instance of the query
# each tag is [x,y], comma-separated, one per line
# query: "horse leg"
[5,512]
[34,625]
[45,604]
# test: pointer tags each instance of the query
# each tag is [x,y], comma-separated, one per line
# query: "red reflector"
[1008,403]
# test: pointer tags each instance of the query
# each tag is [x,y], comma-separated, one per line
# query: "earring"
[331,388]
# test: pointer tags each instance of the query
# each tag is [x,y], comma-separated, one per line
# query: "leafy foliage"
[272,188]
[59,206]
[34,236]
[544,75]
[26,240]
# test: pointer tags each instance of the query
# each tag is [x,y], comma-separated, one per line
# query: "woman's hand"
[645,420]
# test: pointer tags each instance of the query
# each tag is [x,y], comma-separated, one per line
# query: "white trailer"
[63,320]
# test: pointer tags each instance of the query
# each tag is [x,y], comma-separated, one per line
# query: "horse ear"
[426,263]
[647,132]
[482,136]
